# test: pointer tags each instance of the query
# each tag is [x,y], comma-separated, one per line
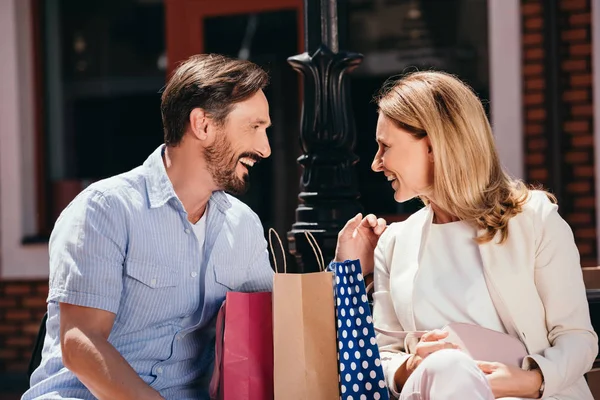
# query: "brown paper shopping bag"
[304,335]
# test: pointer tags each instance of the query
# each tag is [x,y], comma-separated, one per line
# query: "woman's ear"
[429,149]
[199,124]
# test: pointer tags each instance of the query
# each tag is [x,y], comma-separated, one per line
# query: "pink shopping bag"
[244,348]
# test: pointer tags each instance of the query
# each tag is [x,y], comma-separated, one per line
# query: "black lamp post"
[328,187]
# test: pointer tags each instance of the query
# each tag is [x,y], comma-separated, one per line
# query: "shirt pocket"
[151,275]
[231,278]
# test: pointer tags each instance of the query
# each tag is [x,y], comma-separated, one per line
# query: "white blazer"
[535,281]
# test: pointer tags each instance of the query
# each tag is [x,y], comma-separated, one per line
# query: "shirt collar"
[160,189]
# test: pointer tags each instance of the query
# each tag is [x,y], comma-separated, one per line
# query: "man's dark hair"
[211,82]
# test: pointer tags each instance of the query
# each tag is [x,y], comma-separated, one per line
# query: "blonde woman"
[484,250]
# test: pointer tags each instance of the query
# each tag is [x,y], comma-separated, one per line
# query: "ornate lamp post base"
[328,187]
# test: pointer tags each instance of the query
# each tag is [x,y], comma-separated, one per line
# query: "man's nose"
[264,148]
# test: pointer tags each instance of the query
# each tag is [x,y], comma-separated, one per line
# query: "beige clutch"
[481,344]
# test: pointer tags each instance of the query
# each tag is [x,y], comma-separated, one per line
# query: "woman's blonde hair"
[469,181]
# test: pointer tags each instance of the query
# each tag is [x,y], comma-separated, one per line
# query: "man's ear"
[199,124]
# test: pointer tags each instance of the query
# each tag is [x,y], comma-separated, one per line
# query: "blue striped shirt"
[125,245]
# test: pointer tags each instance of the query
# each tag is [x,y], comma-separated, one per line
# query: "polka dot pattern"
[361,374]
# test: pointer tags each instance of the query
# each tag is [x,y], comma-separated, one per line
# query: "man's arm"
[87,251]
[88,354]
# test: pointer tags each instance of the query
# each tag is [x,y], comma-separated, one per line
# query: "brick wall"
[575,74]
[22,306]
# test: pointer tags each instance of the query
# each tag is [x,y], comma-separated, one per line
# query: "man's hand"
[430,342]
[509,381]
[358,239]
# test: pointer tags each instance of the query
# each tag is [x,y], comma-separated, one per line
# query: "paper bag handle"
[273,231]
[315,246]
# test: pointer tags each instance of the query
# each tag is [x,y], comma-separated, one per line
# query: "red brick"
[581,80]
[532,39]
[8,329]
[538,174]
[533,84]
[534,129]
[585,202]
[42,288]
[35,302]
[584,49]
[38,314]
[574,65]
[534,23]
[579,218]
[589,261]
[572,96]
[577,126]
[17,315]
[535,53]
[536,114]
[573,5]
[17,366]
[582,141]
[8,354]
[24,341]
[534,99]
[537,144]
[7,303]
[579,187]
[585,233]
[580,19]
[574,34]
[533,69]
[587,171]
[535,159]
[584,110]
[31,329]
[11,289]
[576,157]
[531,9]
[584,248]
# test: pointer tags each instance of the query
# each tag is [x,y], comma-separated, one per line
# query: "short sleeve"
[87,251]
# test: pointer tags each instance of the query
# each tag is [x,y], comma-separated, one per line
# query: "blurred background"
[80,101]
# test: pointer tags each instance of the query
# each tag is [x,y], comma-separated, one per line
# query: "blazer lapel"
[497,265]
[407,250]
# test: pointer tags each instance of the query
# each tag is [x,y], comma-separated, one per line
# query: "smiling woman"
[485,251]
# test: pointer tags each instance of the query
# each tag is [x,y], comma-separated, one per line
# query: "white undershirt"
[450,284]
[200,231]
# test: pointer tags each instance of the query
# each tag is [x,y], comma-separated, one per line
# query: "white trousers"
[447,375]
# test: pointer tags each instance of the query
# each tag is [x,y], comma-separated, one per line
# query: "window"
[399,36]
[104,65]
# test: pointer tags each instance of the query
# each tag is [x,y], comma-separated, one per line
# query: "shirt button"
[153,282]
[194,274]
[159,370]
[187,230]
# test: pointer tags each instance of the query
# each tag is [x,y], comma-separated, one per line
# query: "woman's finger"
[351,225]
[434,335]
[381,226]
[424,349]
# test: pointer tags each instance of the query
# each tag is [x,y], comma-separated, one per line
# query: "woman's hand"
[358,239]
[509,381]
[430,342]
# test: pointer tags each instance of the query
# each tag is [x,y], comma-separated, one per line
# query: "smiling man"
[140,262]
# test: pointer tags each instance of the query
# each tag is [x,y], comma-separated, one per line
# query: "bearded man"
[141,262]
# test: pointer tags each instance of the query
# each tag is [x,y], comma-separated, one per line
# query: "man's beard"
[222,163]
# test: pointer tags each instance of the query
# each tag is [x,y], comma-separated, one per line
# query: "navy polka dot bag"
[360,372]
